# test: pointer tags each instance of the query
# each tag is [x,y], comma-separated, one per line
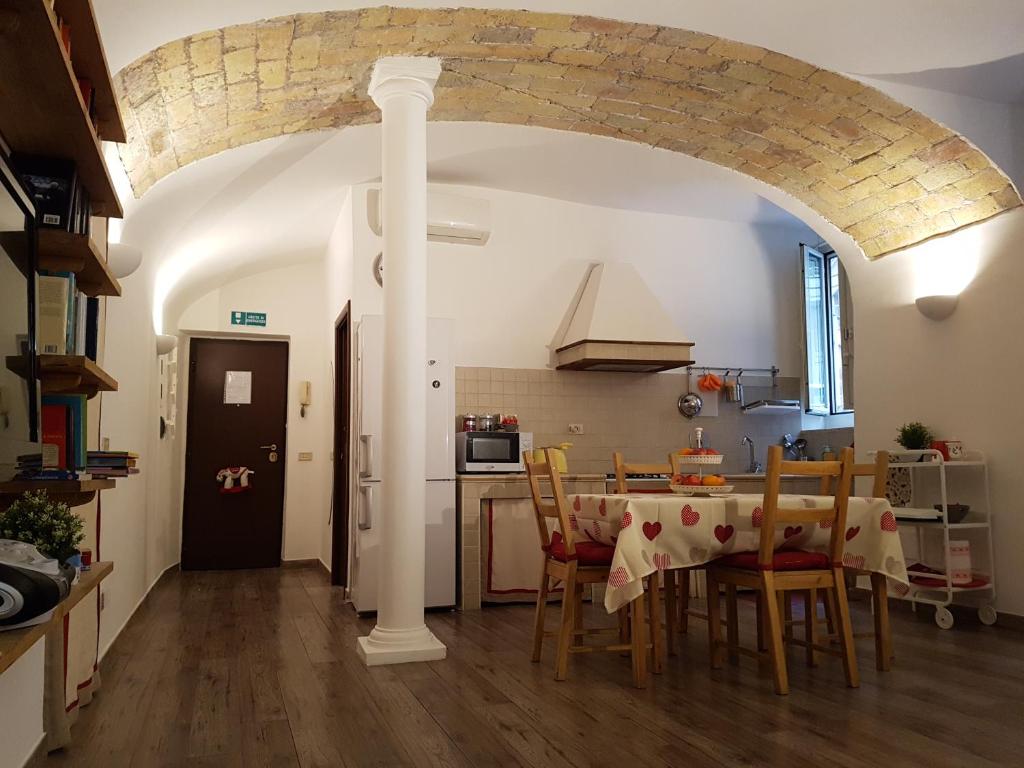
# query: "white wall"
[294,301]
[732,288]
[961,376]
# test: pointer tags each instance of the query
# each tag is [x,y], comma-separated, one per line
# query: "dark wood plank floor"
[258,668]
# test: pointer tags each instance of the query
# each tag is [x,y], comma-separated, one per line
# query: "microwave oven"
[487,452]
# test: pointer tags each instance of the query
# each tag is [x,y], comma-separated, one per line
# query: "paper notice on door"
[237,387]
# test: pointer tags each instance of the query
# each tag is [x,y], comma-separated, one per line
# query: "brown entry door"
[238,529]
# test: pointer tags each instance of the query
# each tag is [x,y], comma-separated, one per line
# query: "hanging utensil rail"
[773,371]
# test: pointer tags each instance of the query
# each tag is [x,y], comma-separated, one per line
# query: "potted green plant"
[50,526]
[915,436]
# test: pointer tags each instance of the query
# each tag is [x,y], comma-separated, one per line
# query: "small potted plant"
[915,436]
[50,526]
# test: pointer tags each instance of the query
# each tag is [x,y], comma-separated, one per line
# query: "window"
[828,335]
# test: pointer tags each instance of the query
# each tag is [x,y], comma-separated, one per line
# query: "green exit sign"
[248,318]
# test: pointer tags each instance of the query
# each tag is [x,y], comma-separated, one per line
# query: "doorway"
[237,415]
[342,422]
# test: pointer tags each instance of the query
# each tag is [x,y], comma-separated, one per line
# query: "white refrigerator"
[439,381]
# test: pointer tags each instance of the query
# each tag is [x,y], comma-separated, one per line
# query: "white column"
[403,88]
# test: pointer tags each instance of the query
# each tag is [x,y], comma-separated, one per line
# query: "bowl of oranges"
[697,485]
[700,456]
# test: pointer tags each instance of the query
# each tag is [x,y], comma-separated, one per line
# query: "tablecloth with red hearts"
[661,532]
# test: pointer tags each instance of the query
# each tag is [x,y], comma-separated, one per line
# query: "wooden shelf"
[67,375]
[90,62]
[41,108]
[61,251]
[74,493]
[16,642]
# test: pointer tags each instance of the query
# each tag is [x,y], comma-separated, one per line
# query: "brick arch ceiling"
[888,176]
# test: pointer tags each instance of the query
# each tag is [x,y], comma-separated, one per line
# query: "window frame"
[834,378]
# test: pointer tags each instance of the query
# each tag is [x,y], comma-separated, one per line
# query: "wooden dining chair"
[878,470]
[667,578]
[573,564]
[774,573]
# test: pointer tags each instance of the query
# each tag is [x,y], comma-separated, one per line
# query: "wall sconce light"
[165,342]
[936,307]
[123,259]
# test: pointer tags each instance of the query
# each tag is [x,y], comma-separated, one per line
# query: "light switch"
[305,455]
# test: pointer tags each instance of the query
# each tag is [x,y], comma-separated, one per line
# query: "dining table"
[653,531]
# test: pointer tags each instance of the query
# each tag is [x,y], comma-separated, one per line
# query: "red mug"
[942,447]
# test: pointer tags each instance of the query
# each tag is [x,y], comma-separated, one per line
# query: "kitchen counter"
[474,497]
[511,477]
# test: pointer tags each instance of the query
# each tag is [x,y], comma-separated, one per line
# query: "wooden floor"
[258,668]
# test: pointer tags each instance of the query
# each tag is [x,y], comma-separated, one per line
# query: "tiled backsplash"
[632,413]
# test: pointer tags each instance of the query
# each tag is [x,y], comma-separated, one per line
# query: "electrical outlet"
[575,429]
[105,444]
[305,455]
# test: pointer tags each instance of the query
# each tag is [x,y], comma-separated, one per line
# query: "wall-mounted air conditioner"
[450,218]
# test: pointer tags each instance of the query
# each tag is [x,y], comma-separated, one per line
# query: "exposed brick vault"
[885,174]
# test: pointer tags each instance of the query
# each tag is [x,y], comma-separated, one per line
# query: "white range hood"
[615,323]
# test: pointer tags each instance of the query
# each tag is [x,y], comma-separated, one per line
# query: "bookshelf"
[41,108]
[16,642]
[74,493]
[67,375]
[61,251]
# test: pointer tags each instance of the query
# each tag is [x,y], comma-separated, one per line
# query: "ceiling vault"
[887,175]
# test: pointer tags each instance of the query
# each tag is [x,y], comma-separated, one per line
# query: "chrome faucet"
[754,467]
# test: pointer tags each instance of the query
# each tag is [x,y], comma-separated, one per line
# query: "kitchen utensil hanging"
[691,403]
[734,388]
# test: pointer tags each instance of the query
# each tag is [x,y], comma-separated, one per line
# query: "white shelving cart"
[932,478]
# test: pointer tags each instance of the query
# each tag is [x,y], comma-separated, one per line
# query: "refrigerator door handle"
[366,456]
[365,519]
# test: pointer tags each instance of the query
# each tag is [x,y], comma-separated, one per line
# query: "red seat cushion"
[783,560]
[587,552]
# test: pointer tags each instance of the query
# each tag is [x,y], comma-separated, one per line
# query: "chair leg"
[883,632]
[786,607]
[776,648]
[811,625]
[684,600]
[732,624]
[670,611]
[845,630]
[654,611]
[638,653]
[761,644]
[538,620]
[830,612]
[565,635]
[577,615]
[714,620]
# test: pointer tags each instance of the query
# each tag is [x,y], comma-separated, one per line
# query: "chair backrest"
[559,510]
[879,471]
[835,515]
[622,469]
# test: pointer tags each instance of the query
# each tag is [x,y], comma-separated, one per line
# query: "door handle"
[366,456]
[365,518]
[271,447]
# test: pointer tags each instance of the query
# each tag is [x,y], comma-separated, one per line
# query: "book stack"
[103,464]
[62,202]
[30,467]
[68,319]
[65,426]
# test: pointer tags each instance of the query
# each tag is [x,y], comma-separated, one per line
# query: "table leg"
[732,623]
[670,611]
